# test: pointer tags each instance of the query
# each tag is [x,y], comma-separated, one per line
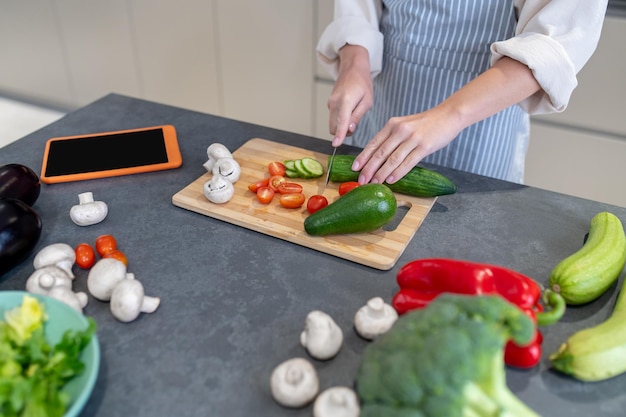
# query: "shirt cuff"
[353,31]
[551,67]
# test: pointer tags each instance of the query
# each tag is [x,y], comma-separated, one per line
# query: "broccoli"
[445,360]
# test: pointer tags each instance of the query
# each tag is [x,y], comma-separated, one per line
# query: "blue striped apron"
[433,48]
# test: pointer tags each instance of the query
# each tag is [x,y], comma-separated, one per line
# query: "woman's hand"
[353,93]
[403,143]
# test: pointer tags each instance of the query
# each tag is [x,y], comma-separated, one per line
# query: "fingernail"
[351,127]
[374,181]
[389,179]
[355,166]
[361,179]
[335,142]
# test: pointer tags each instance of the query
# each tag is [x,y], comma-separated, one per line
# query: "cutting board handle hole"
[401,211]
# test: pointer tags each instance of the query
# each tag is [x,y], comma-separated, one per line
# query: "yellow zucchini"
[598,352]
[585,275]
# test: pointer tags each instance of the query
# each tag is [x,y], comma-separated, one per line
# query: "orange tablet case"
[173,157]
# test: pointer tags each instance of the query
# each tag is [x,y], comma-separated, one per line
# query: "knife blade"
[330,165]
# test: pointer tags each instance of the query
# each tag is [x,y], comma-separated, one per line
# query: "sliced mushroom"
[214,152]
[227,168]
[218,189]
[294,383]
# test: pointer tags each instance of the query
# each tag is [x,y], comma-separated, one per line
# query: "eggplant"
[19,182]
[20,229]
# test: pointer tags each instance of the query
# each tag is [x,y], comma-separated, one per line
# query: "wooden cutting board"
[379,249]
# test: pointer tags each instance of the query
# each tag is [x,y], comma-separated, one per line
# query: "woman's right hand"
[353,93]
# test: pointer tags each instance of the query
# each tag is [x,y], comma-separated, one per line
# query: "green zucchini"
[588,273]
[419,182]
[364,209]
[596,353]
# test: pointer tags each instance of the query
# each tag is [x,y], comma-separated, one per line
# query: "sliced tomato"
[275,181]
[315,203]
[347,186]
[265,195]
[277,168]
[256,185]
[289,188]
[85,255]
[292,200]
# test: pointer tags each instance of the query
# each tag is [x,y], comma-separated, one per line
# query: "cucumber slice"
[301,170]
[312,167]
[290,165]
[292,173]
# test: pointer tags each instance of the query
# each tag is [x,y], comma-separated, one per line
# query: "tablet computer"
[109,154]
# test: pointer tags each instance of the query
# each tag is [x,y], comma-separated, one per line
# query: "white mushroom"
[294,383]
[104,276]
[321,337]
[88,211]
[227,168]
[218,189]
[76,300]
[337,402]
[214,152]
[46,278]
[374,318]
[128,300]
[58,254]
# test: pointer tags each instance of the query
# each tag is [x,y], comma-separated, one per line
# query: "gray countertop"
[234,300]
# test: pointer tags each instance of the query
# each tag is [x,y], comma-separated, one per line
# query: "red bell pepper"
[422,280]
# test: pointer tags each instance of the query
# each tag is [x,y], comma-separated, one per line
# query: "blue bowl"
[61,318]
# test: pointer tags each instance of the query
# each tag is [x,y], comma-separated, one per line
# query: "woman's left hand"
[403,143]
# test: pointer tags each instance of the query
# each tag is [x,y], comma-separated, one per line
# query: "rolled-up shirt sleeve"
[355,22]
[555,39]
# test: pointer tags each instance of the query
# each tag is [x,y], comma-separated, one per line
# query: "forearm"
[506,83]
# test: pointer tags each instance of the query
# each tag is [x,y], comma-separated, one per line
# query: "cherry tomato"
[85,255]
[315,203]
[275,181]
[117,254]
[289,188]
[265,195]
[347,186]
[277,168]
[261,183]
[105,244]
[292,200]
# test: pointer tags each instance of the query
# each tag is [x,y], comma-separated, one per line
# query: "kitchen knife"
[330,165]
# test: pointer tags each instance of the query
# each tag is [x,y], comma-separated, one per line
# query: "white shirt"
[554,38]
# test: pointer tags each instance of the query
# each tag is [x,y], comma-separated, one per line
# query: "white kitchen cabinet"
[577,163]
[99,49]
[267,62]
[251,61]
[323,89]
[582,150]
[177,53]
[33,56]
